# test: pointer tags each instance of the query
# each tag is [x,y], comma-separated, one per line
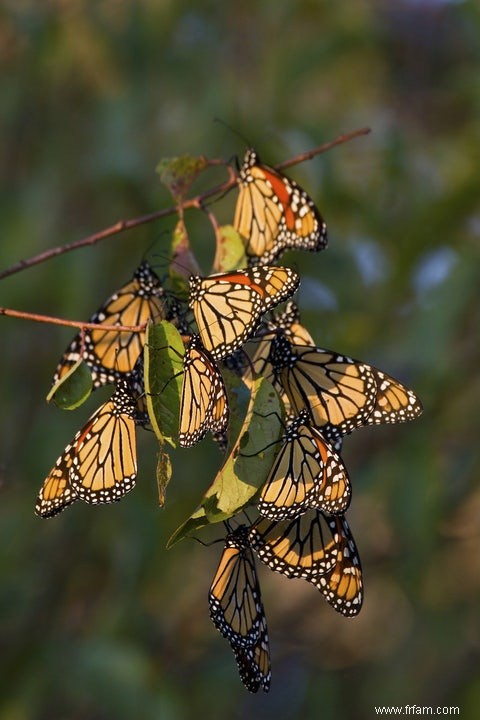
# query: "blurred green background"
[98,620]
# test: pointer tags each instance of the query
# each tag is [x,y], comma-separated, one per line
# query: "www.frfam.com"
[418,710]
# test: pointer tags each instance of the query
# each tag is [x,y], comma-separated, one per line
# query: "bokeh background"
[98,620]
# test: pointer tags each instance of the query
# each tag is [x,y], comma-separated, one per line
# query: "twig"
[71,323]
[119,227]
[323,148]
[196,202]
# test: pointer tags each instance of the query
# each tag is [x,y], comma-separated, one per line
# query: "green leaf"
[164,352]
[230,252]
[249,456]
[178,173]
[73,388]
[164,473]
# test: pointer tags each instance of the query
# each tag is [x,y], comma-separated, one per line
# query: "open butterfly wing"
[300,548]
[334,388]
[318,548]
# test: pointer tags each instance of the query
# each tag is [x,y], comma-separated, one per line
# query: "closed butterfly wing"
[342,586]
[274,214]
[237,611]
[104,466]
[334,489]
[307,473]
[228,306]
[204,403]
[111,355]
[57,492]
[254,662]
[393,403]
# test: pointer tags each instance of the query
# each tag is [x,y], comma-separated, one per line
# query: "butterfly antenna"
[234,131]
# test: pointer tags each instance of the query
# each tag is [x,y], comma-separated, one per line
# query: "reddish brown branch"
[195,202]
[119,227]
[346,137]
[71,323]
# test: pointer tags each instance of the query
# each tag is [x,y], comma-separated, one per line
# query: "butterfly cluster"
[230,321]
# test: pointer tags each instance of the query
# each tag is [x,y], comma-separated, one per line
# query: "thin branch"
[196,202]
[340,140]
[71,323]
[119,227]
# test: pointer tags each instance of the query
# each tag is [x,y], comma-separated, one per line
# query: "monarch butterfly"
[237,611]
[204,399]
[111,355]
[307,473]
[318,548]
[340,393]
[100,464]
[228,306]
[274,214]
